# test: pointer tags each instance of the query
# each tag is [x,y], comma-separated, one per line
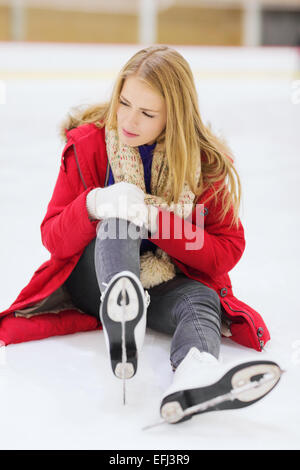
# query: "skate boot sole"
[119,319]
[241,386]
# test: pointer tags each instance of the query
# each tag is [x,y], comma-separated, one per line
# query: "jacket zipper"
[107,173]
[77,163]
[80,173]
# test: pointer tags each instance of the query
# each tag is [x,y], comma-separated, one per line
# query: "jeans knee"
[199,306]
[215,299]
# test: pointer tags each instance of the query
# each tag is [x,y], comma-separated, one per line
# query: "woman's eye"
[148,115]
[125,104]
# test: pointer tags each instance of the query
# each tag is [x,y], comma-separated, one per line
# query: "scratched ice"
[59,392]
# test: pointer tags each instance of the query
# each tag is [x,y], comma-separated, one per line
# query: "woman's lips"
[129,134]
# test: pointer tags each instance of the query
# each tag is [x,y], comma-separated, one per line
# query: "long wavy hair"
[185,138]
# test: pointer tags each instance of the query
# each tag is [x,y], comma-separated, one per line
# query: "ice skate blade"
[124,371]
[241,386]
[121,311]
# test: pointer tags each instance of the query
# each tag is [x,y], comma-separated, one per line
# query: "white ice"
[59,393]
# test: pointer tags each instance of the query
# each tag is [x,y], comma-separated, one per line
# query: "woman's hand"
[122,200]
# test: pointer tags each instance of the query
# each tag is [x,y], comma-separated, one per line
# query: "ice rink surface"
[59,393]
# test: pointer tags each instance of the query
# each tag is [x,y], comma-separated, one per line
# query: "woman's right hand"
[122,200]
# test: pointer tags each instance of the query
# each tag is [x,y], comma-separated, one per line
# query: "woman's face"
[142,112]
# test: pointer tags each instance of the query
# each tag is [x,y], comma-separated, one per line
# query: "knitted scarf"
[127,165]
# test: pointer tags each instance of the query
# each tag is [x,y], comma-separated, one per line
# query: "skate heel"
[123,360]
[124,371]
[172,412]
[173,407]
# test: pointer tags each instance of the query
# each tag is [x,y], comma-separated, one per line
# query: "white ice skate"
[201,383]
[123,313]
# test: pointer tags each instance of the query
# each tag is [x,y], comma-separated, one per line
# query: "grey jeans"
[184,308]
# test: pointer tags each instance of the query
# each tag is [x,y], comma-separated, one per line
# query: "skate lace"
[147,298]
[103,293]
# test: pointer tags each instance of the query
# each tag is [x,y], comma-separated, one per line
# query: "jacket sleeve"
[66,228]
[210,247]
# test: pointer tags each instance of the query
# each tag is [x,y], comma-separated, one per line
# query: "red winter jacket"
[66,230]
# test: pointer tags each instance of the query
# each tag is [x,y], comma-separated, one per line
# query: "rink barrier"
[111,74]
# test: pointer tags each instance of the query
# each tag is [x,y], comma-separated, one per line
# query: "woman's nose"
[132,121]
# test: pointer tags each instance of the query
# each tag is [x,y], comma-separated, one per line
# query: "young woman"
[143,227]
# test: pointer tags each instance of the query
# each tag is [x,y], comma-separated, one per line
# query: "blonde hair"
[185,138]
